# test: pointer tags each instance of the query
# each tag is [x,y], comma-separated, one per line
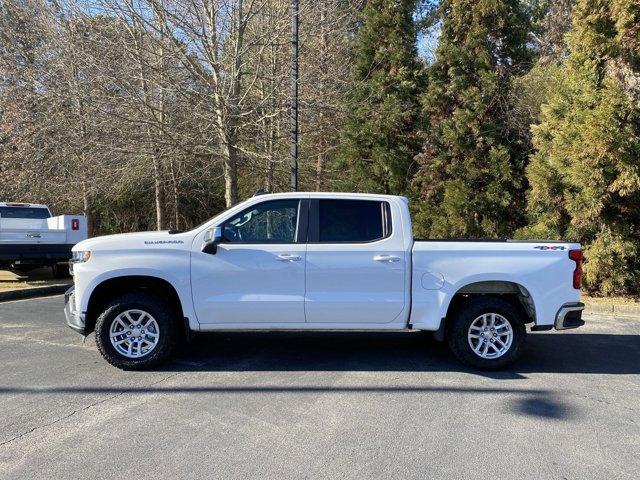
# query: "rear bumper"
[75,320]
[34,253]
[569,316]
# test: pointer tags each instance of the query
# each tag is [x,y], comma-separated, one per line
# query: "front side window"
[274,221]
[343,221]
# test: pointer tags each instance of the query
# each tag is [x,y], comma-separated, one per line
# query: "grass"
[17,285]
[9,281]
[611,300]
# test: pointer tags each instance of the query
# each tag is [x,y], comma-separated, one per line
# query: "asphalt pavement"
[317,405]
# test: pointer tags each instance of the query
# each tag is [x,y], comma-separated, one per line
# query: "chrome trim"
[564,310]
[75,320]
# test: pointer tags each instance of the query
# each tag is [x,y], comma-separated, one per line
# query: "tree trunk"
[268,183]
[319,171]
[323,63]
[269,143]
[230,173]
[158,193]
[176,196]
[86,209]
[270,122]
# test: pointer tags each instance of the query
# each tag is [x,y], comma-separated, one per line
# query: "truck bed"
[538,269]
[486,240]
[29,243]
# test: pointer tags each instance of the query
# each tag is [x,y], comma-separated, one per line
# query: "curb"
[33,292]
[618,310]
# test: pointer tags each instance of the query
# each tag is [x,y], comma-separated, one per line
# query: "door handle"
[386,258]
[288,257]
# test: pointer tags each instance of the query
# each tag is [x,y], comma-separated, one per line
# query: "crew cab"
[31,237]
[319,261]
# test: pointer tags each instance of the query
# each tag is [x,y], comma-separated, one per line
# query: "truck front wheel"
[486,333]
[135,331]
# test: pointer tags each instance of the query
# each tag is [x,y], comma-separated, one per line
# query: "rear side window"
[24,212]
[341,221]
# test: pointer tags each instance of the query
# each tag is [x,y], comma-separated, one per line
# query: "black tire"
[458,329]
[155,307]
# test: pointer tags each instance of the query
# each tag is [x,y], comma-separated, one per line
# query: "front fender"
[170,266]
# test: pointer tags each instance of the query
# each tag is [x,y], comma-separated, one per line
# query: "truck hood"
[134,241]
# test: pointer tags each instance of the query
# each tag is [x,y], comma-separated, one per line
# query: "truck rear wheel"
[486,333]
[135,331]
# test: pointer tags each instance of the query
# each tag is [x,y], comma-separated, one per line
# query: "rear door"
[356,263]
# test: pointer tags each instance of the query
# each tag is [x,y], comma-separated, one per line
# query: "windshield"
[202,225]
[24,212]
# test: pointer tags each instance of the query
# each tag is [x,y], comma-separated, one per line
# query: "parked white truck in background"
[319,261]
[31,237]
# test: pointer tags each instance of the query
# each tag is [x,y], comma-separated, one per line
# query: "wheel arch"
[112,287]
[514,292]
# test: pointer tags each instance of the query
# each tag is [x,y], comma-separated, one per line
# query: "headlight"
[80,257]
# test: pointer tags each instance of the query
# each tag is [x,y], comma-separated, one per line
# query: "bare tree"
[158,113]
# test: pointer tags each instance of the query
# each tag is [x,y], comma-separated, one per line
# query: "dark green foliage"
[379,139]
[585,174]
[471,169]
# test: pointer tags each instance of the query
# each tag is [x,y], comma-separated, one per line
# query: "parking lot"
[316,405]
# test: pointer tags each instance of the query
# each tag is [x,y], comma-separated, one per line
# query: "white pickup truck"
[319,261]
[31,237]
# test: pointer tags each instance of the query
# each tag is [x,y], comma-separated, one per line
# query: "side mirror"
[211,240]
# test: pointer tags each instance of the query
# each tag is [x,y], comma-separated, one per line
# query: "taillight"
[75,224]
[576,256]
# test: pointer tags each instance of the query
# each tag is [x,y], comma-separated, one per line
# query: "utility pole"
[294,94]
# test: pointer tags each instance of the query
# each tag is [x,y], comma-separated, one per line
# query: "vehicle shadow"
[403,352]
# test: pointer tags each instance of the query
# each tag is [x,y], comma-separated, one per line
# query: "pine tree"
[585,174]
[379,139]
[471,168]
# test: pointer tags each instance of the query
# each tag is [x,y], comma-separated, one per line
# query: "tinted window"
[267,222]
[351,220]
[24,212]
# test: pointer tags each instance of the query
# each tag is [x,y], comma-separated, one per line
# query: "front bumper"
[569,316]
[75,320]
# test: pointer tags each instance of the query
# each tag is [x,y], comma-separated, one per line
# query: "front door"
[257,274]
[356,263]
